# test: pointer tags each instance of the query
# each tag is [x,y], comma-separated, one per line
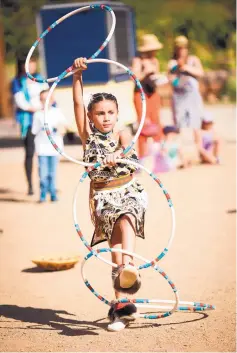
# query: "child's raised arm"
[79,108]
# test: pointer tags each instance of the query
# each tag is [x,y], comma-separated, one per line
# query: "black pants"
[29,154]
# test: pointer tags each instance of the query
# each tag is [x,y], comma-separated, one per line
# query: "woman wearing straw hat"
[184,72]
[146,68]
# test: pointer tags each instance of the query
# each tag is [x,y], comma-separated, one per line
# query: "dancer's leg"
[123,237]
[126,278]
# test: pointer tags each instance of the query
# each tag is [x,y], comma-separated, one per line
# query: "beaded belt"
[111,184]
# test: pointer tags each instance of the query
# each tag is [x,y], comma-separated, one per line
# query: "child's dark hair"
[170,129]
[206,124]
[20,64]
[98,97]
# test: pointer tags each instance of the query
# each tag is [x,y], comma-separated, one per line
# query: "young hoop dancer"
[117,201]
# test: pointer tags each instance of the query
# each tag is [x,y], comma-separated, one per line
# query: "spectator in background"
[146,67]
[184,71]
[169,155]
[208,141]
[26,94]
[47,155]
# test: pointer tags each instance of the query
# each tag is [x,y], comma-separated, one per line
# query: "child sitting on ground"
[169,155]
[208,142]
[47,155]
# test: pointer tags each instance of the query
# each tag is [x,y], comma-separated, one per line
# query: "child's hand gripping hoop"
[169,309]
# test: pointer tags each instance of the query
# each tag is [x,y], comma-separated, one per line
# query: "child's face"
[171,136]
[182,52]
[104,115]
[150,54]
[43,98]
[207,125]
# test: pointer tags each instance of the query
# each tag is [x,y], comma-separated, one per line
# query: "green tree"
[19,25]
[209,24]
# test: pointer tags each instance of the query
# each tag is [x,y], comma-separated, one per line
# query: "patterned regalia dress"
[108,205]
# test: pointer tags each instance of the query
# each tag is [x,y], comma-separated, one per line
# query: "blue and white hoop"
[69,71]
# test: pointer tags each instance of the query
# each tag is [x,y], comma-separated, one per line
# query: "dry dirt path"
[55,311]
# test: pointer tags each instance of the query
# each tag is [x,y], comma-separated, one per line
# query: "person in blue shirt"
[26,96]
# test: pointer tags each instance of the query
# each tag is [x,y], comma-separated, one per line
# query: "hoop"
[178,305]
[157,180]
[47,128]
[156,268]
[69,71]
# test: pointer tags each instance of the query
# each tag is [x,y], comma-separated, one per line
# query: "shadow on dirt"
[48,317]
[233,211]
[13,199]
[38,319]
[5,191]
[37,269]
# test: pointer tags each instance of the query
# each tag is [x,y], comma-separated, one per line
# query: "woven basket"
[56,263]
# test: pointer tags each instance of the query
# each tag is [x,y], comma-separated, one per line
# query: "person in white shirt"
[47,155]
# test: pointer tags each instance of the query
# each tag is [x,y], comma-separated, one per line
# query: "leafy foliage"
[209,24]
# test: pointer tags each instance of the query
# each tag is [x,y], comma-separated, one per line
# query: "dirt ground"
[54,311]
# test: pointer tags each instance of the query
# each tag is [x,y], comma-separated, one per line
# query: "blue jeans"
[47,174]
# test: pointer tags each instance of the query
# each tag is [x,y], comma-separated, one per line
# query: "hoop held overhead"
[69,71]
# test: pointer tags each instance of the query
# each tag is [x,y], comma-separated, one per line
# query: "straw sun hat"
[181,42]
[149,42]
